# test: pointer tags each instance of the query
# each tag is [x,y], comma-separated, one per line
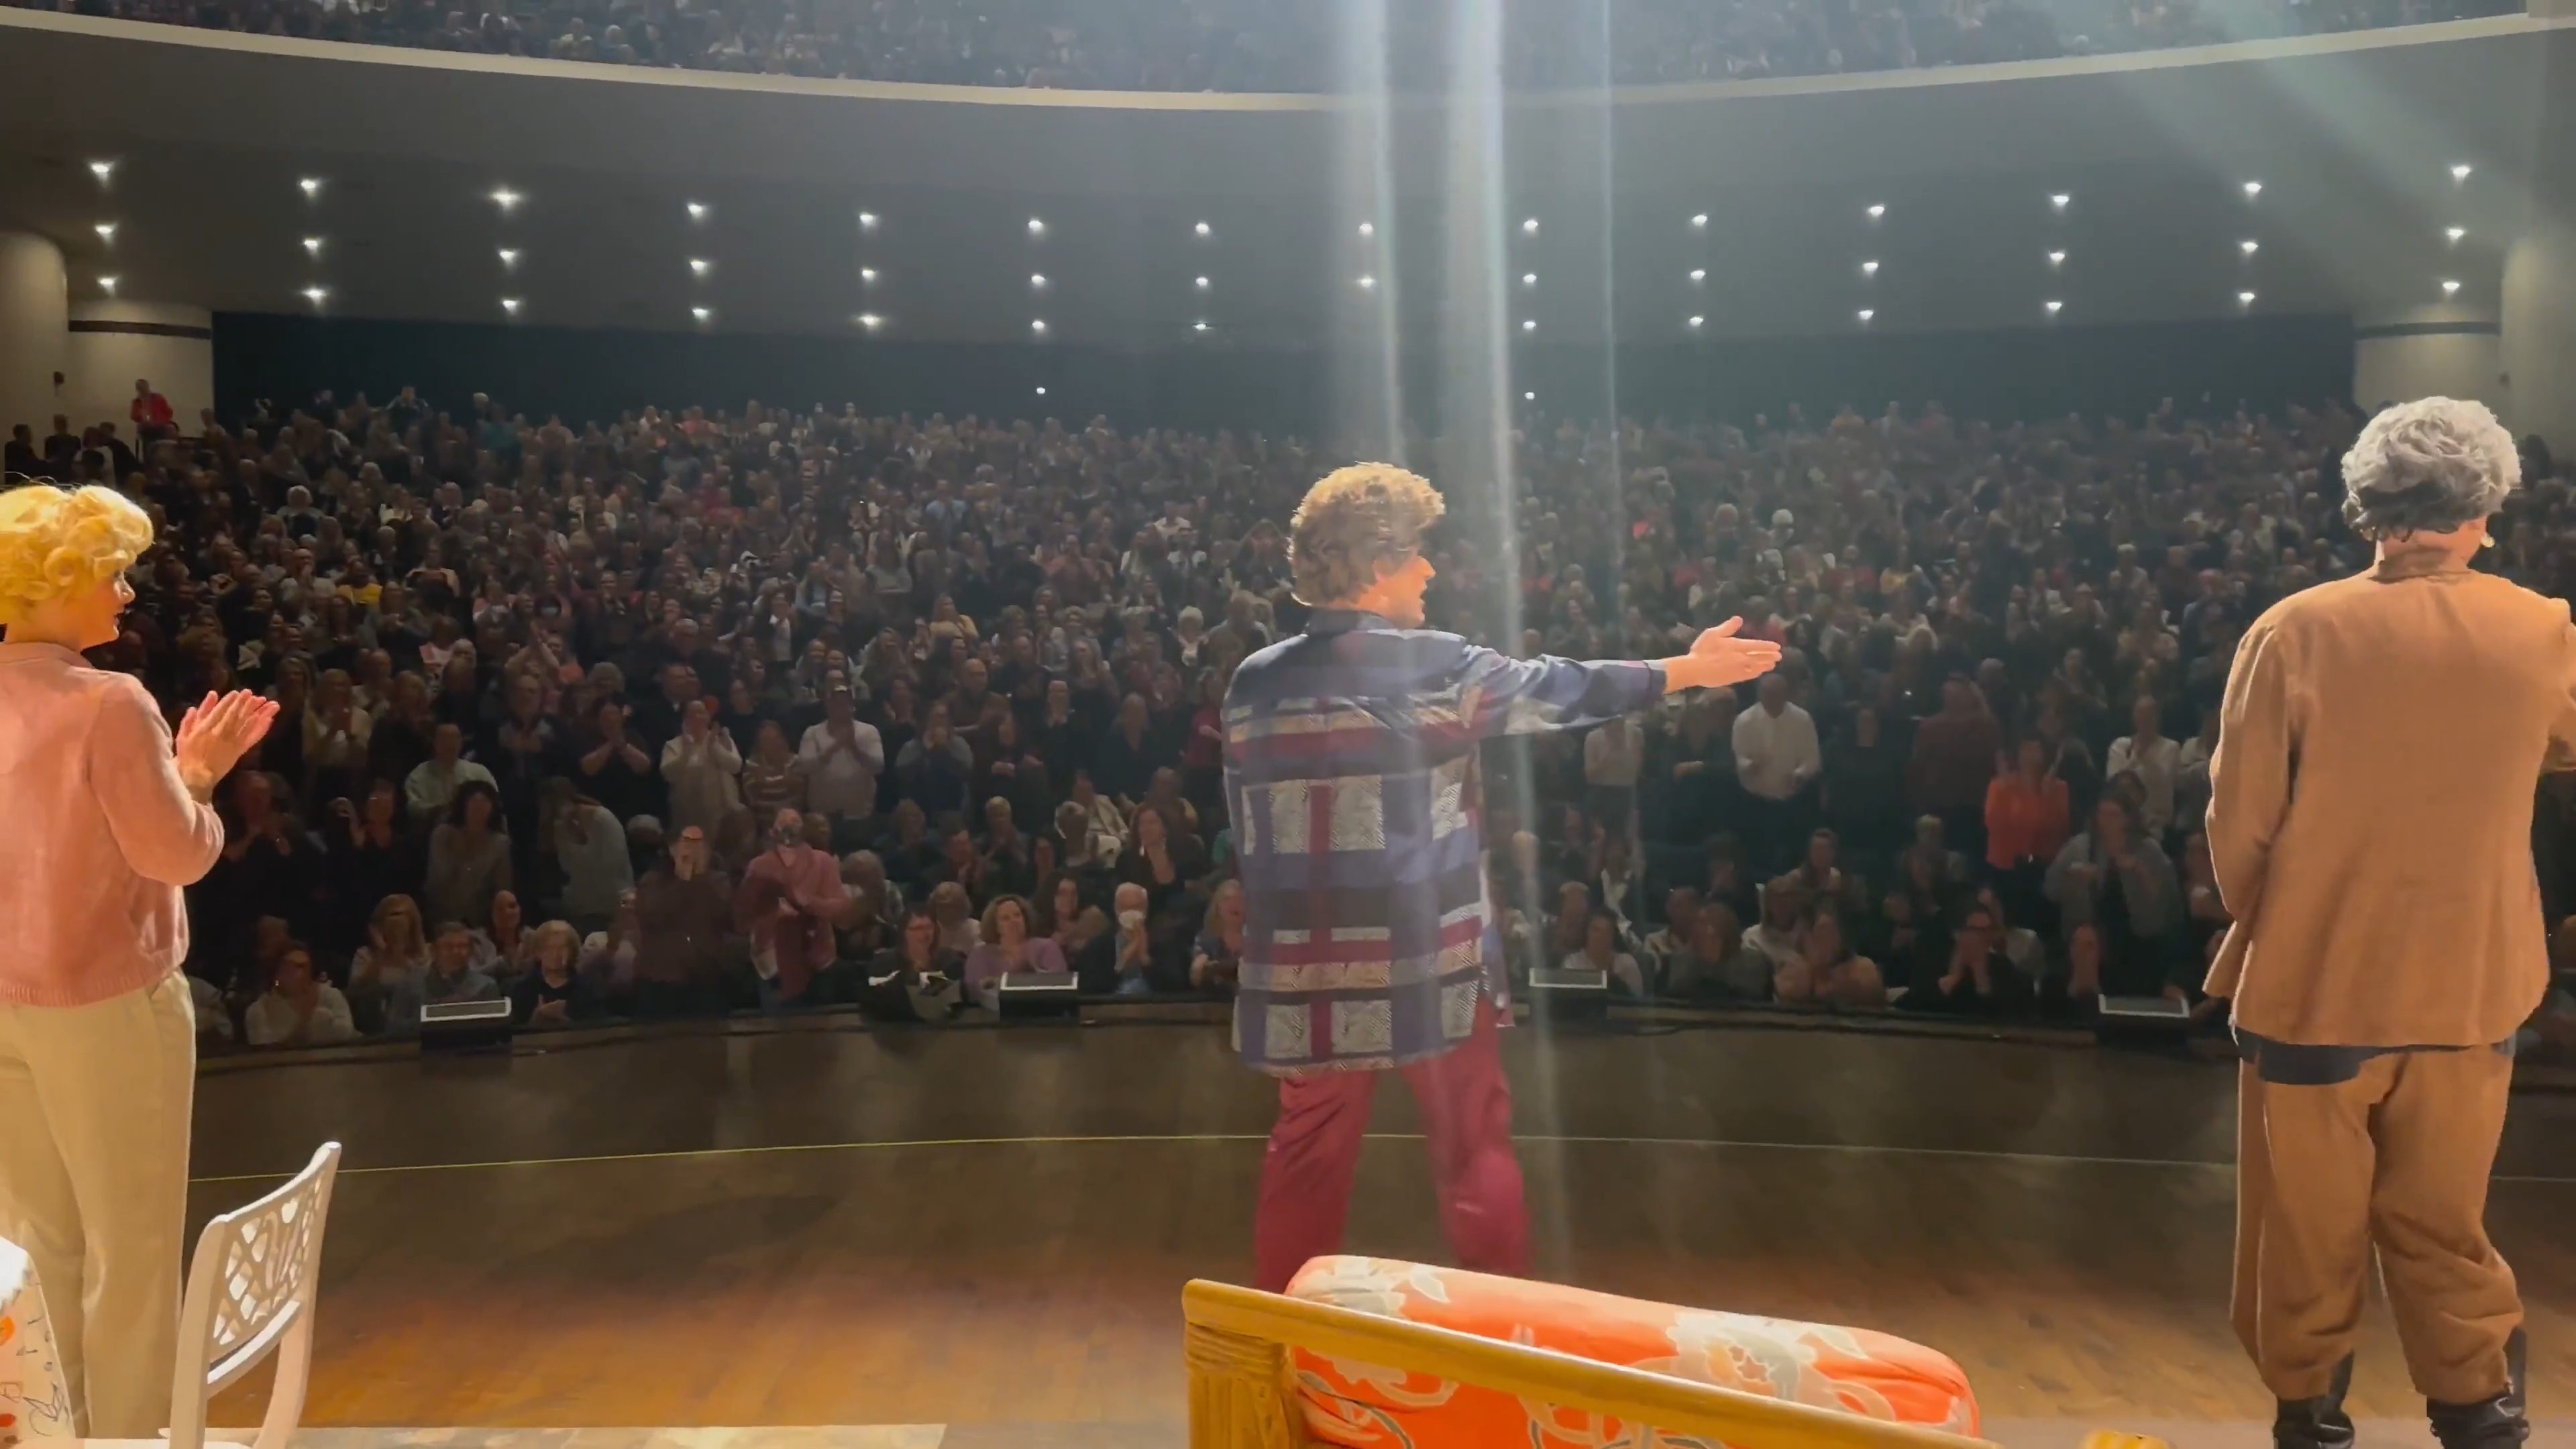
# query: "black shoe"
[2489,1423]
[2318,1423]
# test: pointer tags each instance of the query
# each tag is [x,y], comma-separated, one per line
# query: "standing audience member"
[1776,756]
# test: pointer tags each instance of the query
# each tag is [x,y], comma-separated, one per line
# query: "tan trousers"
[2396,1159]
[94,1104]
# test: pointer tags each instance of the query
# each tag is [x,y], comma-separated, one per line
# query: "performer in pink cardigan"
[98,1055]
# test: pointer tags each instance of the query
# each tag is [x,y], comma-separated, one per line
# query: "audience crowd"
[1278,45]
[693,711]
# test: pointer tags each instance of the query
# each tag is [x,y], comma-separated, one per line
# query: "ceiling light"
[102,170]
[106,231]
[2057,259]
[2460,170]
[2253,189]
[510,305]
[1529,279]
[1696,321]
[312,187]
[509,256]
[505,198]
[107,285]
[867,221]
[1367,283]
[868,276]
[2249,246]
[1529,324]
[871,321]
[313,246]
[1201,228]
[2059,199]
[1198,327]
[702,313]
[1368,228]
[1869,269]
[2449,287]
[1877,209]
[2455,232]
[697,211]
[2053,307]
[1042,391]
[315,295]
[1529,397]
[1700,220]
[1699,275]
[1530,227]
[2245,299]
[1036,227]
[698,266]
[1037,281]
[1866,313]
[1201,283]
[1038,325]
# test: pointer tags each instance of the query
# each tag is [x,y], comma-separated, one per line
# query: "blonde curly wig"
[56,542]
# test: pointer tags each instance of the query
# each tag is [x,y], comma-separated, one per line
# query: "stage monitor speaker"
[465,1026]
[1559,995]
[1037,995]
[2141,1021]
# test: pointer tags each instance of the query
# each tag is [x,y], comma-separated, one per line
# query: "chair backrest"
[250,1294]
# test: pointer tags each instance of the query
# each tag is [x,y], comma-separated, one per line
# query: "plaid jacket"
[1350,773]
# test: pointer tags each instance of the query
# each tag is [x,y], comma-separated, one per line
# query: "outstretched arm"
[1500,695]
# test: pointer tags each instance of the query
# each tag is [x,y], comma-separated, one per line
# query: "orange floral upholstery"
[1370,1407]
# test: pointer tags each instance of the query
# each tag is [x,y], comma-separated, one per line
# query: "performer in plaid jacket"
[1350,773]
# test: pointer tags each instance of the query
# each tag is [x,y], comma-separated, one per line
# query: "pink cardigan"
[102,833]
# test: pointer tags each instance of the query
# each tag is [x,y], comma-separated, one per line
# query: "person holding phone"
[111,817]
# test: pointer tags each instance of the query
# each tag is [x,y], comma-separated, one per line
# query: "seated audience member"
[962,865]
[553,993]
[2119,882]
[1218,957]
[1101,814]
[1078,844]
[1928,859]
[1008,946]
[2154,759]
[684,937]
[1621,887]
[1826,972]
[1058,904]
[915,980]
[1976,978]
[1009,867]
[1161,861]
[451,978]
[591,850]
[1714,965]
[953,911]
[397,952]
[876,907]
[298,1008]
[431,787]
[1724,881]
[789,903]
[1120,961]
[909,852]
[1821,878]
[469,857]
[1775,938]
[1657,952]
[608,958]
[1571,924]
[503,947]
[1601,953]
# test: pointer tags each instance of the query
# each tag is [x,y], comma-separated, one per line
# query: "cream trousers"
[94,1104]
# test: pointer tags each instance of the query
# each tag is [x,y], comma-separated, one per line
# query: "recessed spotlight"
[1530,227]
[1037,281]
[2253,189]
[509,256]
[510,305]
[1695,322]
[2057,259]
[1529,324]
[312,187]
[1877,209]
[871,321]
[2245,299]
[1038,325]
[2460,170]
[868,276]
[106,232]
[1865,314]
[1869,269]
[313,246]
[867,221]
[1529,279]
[1698,275]
[1199,282]
[1036,227]
[1368,228]
[2058,199]
[697,211]
[102,170]
[505,198]
[1201,229]
[700,266]
[2449,287]
[1042,391]
[1367,283]
[316,295]
[1700,220]
[702,313]
[1529,397]
[2249,246]
[2053,307]
[1198,327]
[107,285]
[2454,233]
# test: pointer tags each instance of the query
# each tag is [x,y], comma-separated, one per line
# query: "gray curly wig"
[2428,466]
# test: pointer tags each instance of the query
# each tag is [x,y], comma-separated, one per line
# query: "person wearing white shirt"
[1612,755]
[703,767]
[842,757]
[2156,759]
[299,1009]
[1776,758]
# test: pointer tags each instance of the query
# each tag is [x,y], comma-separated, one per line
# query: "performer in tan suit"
[2371,826]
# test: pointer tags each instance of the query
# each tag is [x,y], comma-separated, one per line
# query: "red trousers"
[1315,1149]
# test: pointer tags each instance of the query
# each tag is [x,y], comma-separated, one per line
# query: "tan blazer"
[2370,817]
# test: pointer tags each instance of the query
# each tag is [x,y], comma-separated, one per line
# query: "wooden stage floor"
[989,1229]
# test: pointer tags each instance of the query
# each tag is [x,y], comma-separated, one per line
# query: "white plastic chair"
[250,1294]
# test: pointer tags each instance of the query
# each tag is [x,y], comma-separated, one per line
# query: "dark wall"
[2030,372]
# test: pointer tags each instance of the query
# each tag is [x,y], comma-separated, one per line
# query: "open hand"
[1718,657]
[218,731]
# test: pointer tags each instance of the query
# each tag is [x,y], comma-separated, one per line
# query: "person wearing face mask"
[110,816]
[790,900]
